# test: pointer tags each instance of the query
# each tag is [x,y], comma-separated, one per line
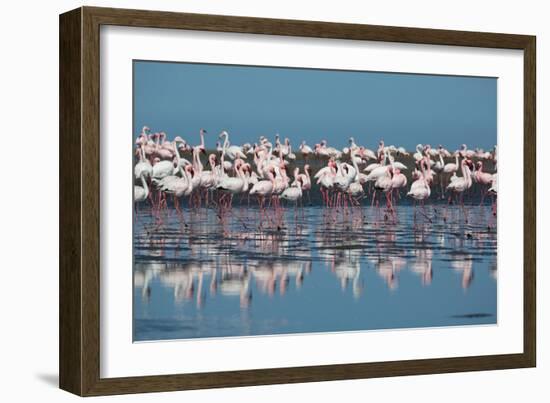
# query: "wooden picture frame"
[79,347]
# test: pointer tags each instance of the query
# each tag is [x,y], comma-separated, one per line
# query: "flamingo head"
[156,160]
[323,143]
[189,169]
[306,167]
[203,131]
[469,163]
[145,130]
[223,134]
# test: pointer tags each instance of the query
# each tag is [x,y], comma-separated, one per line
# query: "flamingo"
[464,152]
[367,153]
[398,180]
[494,184]
[141,192]
[451,168]
[420,188]
[305,150]
[233,185]
[233,152]
[402,151]
[306,181]
[384,184]
[178,187]
[263,189]
[294,192]
[485,179]
[161,150]
[162,169]
[418,155]
[325,178]
[461,184]
[143,167]
[355,188]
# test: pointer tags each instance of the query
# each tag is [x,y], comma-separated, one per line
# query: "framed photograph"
[249,201]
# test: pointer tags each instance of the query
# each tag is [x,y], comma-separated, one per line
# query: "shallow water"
[312,270]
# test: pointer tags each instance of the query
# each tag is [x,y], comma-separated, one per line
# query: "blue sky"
[311,105]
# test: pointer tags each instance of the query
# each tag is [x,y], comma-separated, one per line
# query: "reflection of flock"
[209,260]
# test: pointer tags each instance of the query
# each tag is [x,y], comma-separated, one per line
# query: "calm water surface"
[312,270]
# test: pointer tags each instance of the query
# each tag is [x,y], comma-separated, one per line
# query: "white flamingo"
[305,150]
[141,192]
[143,167]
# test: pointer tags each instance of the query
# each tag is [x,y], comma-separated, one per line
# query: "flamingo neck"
[198,162]
[224,147]
[187,176]
[356,175]
[176,151]
[144,184]
[142,153]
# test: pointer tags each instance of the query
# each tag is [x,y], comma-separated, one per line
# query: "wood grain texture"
[80,200]
[530,203]
[70,270]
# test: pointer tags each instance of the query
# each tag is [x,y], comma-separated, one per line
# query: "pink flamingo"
[325,179]
[178,187]
[306,182]
[461,184]
[233,185]
[143,166]
[305,150]
[485,179]
[420,188]
[263,189]
[398,181]
[161,151]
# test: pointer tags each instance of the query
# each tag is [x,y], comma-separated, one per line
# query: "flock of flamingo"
[345,176]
